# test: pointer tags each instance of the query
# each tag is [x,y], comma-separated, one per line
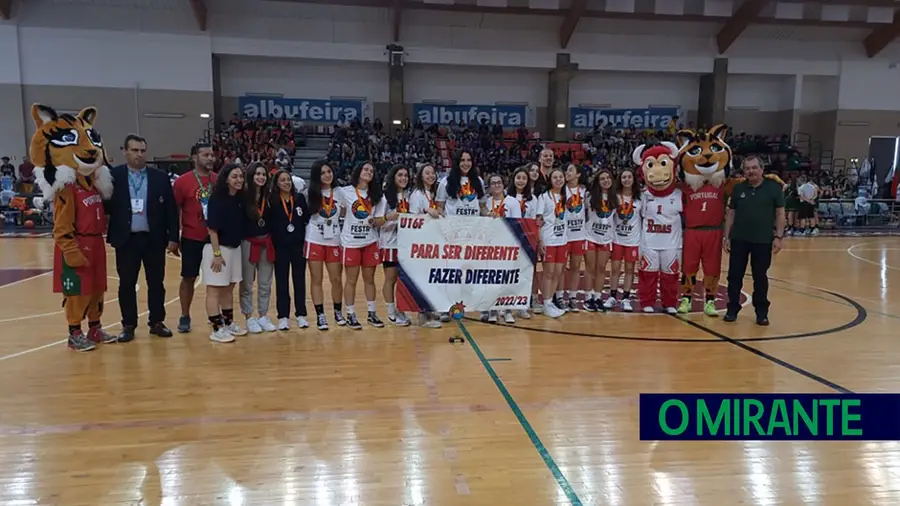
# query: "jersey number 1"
[703,208]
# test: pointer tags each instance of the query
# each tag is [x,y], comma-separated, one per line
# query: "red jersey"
[90,218]
[704,207]
[90,225]
[192,200]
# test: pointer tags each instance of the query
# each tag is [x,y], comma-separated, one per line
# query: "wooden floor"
[541,413]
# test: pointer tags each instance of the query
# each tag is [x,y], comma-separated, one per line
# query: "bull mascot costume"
[705,161]
[70,169]
[661,236]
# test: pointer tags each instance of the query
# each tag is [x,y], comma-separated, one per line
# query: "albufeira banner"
[482,262]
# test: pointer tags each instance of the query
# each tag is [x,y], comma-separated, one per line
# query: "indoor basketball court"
[541,412]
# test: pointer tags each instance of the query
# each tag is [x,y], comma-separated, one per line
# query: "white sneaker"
[253,326]
[671,310]
[536,307]
[524,314]
[302,323]
[508,318]
[426,321]
[221,336]
[399,319]
[610,303]
[266,324]
[648,309]
[236,330]
[284,323]
[492,317]
[626,306]
[553,311]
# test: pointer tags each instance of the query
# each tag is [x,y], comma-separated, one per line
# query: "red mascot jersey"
[704,207]
[90,224]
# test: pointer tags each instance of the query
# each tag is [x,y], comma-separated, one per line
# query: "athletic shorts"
[230,273]
[806,211]
[389,257]
[191,257]
[367,256]
[592,246]
[556,254]
[629,254]
[702,247]
[576,248]
[320,253]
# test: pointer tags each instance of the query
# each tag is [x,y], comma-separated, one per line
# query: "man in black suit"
[143,225]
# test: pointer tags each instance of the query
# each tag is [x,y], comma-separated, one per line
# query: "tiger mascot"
[704,161]
[70,169]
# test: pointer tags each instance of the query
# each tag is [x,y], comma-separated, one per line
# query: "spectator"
[26,176]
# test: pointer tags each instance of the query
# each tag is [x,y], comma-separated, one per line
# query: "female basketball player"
[288,217]
[500,205]
[627,237]
[520,188]
[553,249]
[359,240]
[323,242]
[576,180]
[462,193]
[602,203]
[422,202]
[257,252]
[387,215]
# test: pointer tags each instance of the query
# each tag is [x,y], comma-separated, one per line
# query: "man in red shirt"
[192,190]
[26,176]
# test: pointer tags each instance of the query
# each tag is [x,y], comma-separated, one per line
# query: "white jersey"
[553,210]
[575,213]
[421,200]
[662,221]
[387,234]
[529,207]
[507,207]
[600,224]
[465,203]
[324,226]
[628,222]
[357,231]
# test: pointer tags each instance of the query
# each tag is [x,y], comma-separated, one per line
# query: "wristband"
[217,254]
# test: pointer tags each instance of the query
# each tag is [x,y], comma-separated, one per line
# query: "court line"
[29,278]
[61,311]
[771,358]
[866,260]
[532,435]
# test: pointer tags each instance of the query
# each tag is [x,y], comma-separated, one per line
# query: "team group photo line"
[548,239]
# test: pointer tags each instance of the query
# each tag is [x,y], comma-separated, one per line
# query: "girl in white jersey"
[576,180]
[323,243]
[422,202]
[359,240]
[627,237]
[553,248]
[387,216]
[520,187]
[462,193]
[599,231]
[500,205]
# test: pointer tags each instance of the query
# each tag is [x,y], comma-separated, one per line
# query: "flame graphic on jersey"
[466,192]
[327,211]
[402,206]
[560,209]
[360,208]
[605,211]
[575,203]
[625,210]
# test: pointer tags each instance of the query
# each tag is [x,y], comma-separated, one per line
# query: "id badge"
[137,206]
[328,230]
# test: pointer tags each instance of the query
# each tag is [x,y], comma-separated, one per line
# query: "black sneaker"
[572,306]
[339,319]
[590,305]
[730,317]
[374,321]
[762,320]
[184,324]
[352,322]
[321,322]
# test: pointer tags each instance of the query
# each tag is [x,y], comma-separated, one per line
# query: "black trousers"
[760,258]
[290,266]
[129,258]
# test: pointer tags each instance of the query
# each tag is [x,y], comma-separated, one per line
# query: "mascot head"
[64,147]
[657,166]
[704,157]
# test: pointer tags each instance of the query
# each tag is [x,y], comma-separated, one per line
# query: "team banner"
[655,117]
[484,263]
[301,109]
[510,116]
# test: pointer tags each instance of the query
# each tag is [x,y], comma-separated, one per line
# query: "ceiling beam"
[200,13]
[746,13]
[398,14]
[5,9]
[576,11]
[880,37]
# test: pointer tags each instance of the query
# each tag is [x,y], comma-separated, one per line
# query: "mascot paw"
[75,259]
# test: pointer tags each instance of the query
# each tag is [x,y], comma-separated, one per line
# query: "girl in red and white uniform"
[462,192]
[500,205]
[520,187]
[553,246]
[422,201]
[627,239]
[575,218]
[323,242]
[387,215]
[599,231]
[359,240]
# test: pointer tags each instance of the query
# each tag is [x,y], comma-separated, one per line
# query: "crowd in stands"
[270,142]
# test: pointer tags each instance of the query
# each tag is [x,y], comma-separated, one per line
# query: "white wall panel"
[634,89]
[869,86]
[819,94]
[475,85]
[9,55]
[767,93]
[115,59]
[302,78]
